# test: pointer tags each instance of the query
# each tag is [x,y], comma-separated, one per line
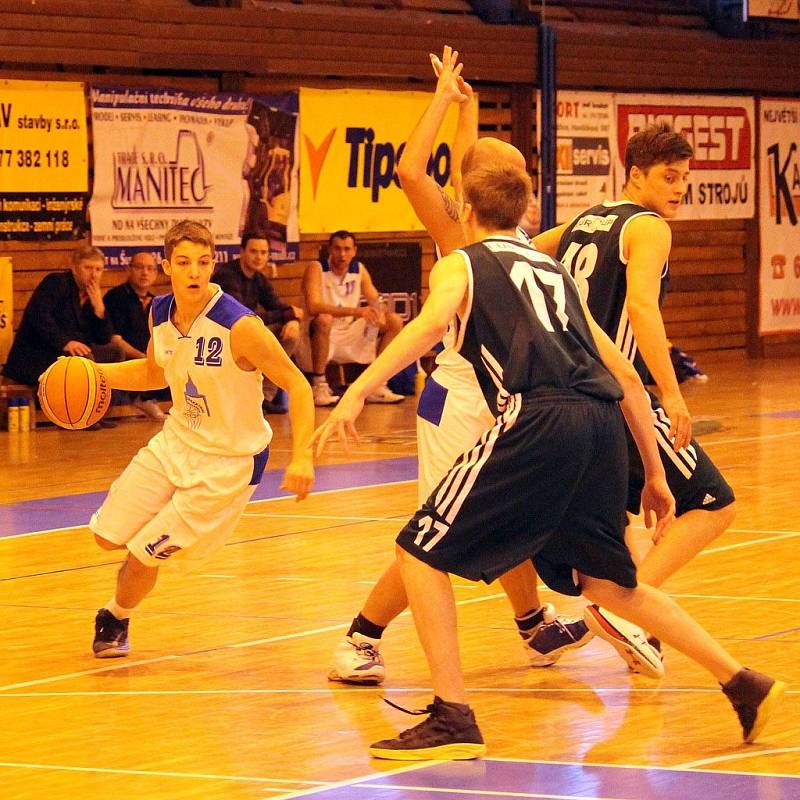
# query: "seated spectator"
[245,280]
[65,315]
[128,308]
[341,328]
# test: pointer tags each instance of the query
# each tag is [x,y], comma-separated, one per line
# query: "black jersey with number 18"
[525,328]
[591,250]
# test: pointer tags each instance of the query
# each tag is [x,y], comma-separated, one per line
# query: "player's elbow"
[408,174]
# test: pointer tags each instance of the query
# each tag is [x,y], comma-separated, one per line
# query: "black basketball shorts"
[692,476]
[548,481]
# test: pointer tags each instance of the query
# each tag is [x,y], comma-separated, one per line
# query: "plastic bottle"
[13,415]
[24,414]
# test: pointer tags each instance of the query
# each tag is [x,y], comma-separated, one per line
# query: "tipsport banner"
[43,160]
[351,143]
[721,131]
[779,197]
[163,155]
[585,138]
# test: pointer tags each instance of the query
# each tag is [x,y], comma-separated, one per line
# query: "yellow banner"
[6,308]
[351,141]
[43,143]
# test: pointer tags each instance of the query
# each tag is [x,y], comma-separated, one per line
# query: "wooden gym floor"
[225,693]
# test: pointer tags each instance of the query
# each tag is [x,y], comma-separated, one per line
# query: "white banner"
[163,155]
[585,138]
[721,131]
[779,167]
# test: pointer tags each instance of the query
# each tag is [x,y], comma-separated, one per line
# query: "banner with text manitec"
[721,130]
[779,215]
[351,142]
[44,173]
[162,155]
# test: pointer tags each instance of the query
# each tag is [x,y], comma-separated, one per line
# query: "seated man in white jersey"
[452,412]
[341,327]
[618,252]
[514,496]
[180,498]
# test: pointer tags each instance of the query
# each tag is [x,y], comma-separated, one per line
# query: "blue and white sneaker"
[552,639]
[357,659]
[110,636]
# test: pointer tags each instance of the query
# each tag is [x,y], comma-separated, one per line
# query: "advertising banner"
[585,138]
[43,160]
[777,9]
[164,155]
[6,308]
[721,131]
[351,142]
[779,168]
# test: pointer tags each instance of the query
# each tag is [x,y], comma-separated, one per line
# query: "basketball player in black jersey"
[547,481]
[618,254]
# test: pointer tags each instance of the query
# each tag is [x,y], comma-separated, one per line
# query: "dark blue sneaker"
[553,639]
[110,635]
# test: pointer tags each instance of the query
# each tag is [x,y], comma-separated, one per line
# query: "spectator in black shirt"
[128,308]
[245,280]
[66,315]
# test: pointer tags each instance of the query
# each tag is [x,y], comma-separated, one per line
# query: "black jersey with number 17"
[591,249]
[525,330]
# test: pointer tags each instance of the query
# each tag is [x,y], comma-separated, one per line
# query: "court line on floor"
[707,444]
[168,774]
[702,762]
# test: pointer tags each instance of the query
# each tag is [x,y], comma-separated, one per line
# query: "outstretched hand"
[340,422]
[447,70]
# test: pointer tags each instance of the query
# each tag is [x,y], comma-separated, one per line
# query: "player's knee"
[321,324]
[105,544]
[291,333]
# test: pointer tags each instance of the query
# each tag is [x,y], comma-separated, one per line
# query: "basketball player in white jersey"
[618,252]
[180,498]
[515,496]
[452,412]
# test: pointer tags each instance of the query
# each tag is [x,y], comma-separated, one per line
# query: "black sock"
[529,620]
[366,628]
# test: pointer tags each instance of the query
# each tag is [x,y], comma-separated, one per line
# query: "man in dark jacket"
[245,280]
[65,315]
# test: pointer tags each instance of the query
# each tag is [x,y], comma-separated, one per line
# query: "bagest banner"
[352,141]
[721,132]
[43,160]
[162,155]
[779,163]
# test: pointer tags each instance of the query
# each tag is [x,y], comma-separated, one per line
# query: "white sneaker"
[150,409]
[384,395]
[356,660]
[628,639]
[323,395]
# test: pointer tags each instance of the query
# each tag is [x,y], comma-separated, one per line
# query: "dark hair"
[655,144]
[340,235]
[253,234]
[498,195]
[189,231]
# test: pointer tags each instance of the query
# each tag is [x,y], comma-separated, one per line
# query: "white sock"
[117,610]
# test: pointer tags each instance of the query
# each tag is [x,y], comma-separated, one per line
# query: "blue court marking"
[530,779]
[795,414]
[51,513]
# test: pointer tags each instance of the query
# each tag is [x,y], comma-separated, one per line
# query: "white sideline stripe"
[710,550]
[366,690]
[702,762]
[786,435]
[164,774]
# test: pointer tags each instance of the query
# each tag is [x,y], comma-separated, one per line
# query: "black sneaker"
[753,697]
[449,734]
[553,639]
[110,635]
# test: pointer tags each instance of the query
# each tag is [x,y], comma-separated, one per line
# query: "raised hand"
[448,73]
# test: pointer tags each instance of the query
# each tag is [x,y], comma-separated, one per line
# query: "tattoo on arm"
[450,206]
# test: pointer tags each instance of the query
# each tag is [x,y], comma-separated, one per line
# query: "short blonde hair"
[498,195]
[87,253]
[187,231]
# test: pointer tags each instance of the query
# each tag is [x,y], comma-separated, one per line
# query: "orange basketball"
[74,392]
